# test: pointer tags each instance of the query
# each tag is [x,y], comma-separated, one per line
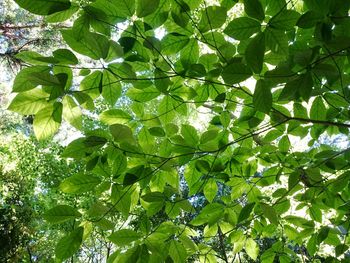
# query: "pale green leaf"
[124,237]
[47,121]
[79,183]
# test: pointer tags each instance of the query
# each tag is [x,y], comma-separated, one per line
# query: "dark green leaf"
[154,197]
[93,45]
[69,244]
[65,56]
[173,43]
[212,17]
[44,7]
[270,213]
[262,98]
[254,9]
[177,252]
[242,28]
[245,212]
[254,53]
[209,214]
[285,20]
[318,109]
[60,214]
[235,73]
[146,7]
[121,132]
[309,19]
[157,131]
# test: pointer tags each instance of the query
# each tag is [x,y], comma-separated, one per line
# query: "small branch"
[222,244]
[30,254]
[328,123]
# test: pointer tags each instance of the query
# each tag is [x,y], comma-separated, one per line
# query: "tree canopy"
[219,133]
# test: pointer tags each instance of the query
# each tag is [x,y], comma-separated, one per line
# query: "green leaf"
[114,116]
[284,144]
[72,112]
[312,245]
[285,20]
[130,179]
[190,134]
[93,45]
[157,131]
[121,132]
[270,213]
[115,51]
[65,57]
[254,53]
[190,53]
[76,149]
[44,7]
[321,6]
[210,190]
[300,86]
[125,8]
[212,17]
[160,15]
[62,15]
[29,102]
[300,111]
[252,248]
[309,19]
[69,244]
[35,58]
[262,98]
[60,214]
[117,160]
[293,180]
[245,212]
[111,87]
[225,118]
[318,109]
[47,121]
[143,95]
[315,213]
[322,234]
[23,82]
[209,214]
[242,28]
[341,249]
[166,110]
[254,9]
[146,7]
[92,84]
[162,81]
[235,73]
[177,252]
[277,41]
[124,237]
[121,197]
[79,183]
[146,141]
[154,197]
[173,43]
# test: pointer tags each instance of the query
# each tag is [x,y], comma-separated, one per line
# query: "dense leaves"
[214,141]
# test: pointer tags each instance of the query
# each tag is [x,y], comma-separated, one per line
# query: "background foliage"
[211,131]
